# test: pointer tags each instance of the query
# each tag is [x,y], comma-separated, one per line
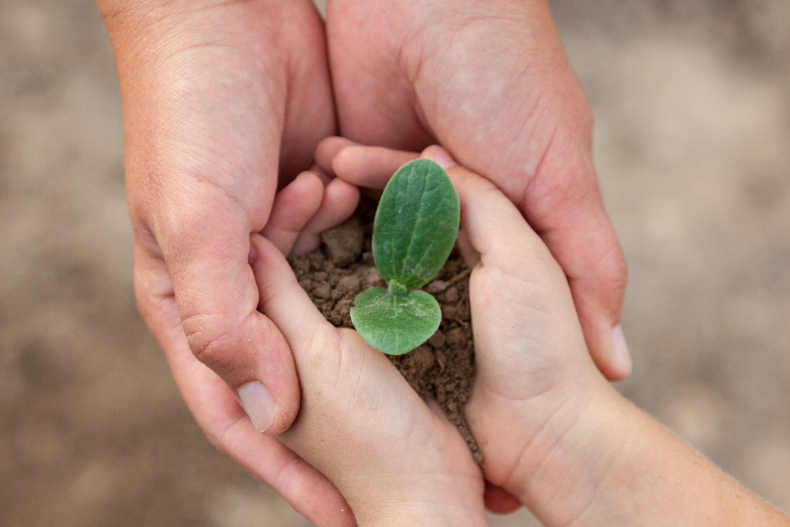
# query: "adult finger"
[217,306]
[565,206]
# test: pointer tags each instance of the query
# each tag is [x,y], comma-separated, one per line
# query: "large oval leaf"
[395,324]
[416,224]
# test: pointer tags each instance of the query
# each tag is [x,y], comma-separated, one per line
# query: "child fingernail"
[443,157]
[259,405]
[620,353]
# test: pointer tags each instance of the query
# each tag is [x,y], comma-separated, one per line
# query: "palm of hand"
[223,105]
[408,75]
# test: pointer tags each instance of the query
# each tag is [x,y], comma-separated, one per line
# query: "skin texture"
[553,432]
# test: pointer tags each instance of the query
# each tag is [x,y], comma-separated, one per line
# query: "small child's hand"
[360,423]
[534,372]
[535,377]
[553,432]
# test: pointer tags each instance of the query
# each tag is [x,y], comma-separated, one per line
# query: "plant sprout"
[413,233]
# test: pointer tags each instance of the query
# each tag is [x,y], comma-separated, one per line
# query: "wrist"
[420,492]
[617,465]
[563,468]
[167,25]
[549,449]
[422,512]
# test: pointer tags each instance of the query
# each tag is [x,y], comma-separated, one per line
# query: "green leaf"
[395,324]
[416,224]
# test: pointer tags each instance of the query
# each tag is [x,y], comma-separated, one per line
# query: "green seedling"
[413,233]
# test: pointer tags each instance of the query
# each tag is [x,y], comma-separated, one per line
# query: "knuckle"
[210,342]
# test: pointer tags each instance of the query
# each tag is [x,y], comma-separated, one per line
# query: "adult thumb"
[207,284]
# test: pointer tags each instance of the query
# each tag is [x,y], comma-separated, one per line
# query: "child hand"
[535,377]
[534,372]
[360,423]
[553,432]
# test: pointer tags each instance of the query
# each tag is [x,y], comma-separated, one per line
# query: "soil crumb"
[443,368]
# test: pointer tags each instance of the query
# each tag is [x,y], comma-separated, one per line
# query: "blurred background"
[692,141]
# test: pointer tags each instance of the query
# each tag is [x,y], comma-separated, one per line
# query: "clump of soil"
[442,369]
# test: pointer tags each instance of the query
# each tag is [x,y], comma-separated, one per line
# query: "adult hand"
[490,81]
[218,99]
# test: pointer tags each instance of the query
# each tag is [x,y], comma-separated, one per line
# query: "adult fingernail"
[620,353]
[443,157]
[259,405]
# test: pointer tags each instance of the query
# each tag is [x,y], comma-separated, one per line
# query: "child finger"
[293,208]
[500,501]
[467,250]
[281,298]
[325,176]
[340,199]
[369,166]
[327,149]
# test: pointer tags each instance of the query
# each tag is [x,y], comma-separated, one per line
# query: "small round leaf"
[395,324]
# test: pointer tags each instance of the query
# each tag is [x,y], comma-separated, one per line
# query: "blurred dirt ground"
[692,107]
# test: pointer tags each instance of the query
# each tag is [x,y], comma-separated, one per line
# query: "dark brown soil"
[442,369]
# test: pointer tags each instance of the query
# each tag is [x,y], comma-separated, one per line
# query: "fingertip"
[295,204]
[327,149]
[307,183]
[500,501]
[342,197]
[608,347]
[258,404]
[339,203]
[621,363]
[271,398]
[597,273]
[348,163]
[440,155]
[293,207]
